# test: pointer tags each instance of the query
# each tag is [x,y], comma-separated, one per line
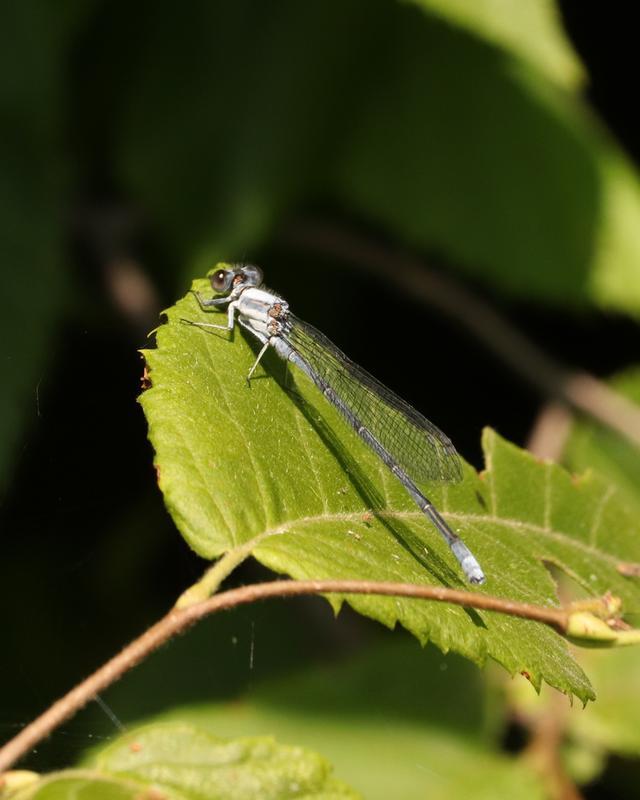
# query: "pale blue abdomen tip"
[468,562]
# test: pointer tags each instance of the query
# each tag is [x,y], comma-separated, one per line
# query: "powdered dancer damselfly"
[408,444]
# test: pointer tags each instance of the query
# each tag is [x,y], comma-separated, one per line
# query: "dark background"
[89,556]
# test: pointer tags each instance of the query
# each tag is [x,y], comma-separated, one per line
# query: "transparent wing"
[423,451]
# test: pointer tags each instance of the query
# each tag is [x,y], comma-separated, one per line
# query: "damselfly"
[408,444]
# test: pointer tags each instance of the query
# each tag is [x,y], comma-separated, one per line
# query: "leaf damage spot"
[145,379]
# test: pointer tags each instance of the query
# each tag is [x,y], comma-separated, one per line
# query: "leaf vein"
[597,517]
[520,525]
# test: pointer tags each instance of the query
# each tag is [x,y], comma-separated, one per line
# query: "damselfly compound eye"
[221,280]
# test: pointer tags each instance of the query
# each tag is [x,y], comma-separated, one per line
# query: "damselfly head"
[225,280]
[250,275]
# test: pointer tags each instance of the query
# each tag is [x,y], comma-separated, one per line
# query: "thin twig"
[178,620]
[550,431]
[576,389]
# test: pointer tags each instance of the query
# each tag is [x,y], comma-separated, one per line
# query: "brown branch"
[178,620]
[555,381]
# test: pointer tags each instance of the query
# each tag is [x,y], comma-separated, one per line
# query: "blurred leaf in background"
[393,721]
[184,763]
[532,31]
[446,129]
[594,446]
[589,737]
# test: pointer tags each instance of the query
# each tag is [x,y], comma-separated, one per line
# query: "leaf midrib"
[517,525]
[520,525]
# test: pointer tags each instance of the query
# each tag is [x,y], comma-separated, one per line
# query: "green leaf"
[181,762]
[267,123]
[613,723]
[457,129]
[251,469]
[395,721]
[594,446]
[507,175]
[532,31]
